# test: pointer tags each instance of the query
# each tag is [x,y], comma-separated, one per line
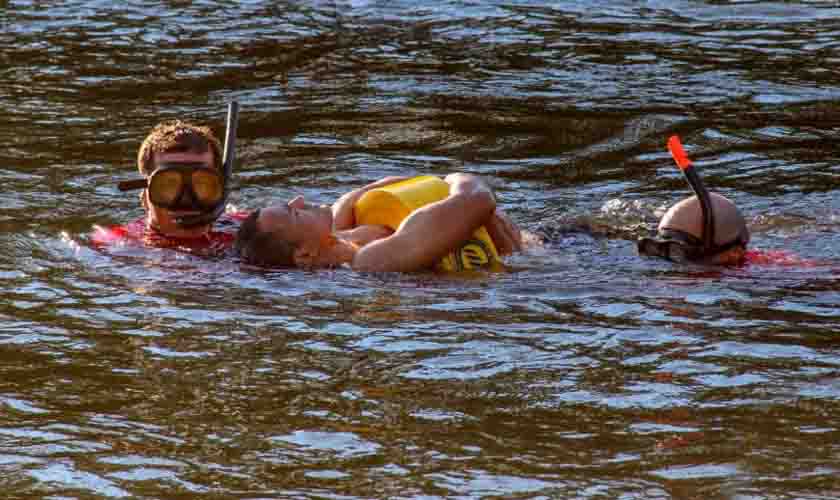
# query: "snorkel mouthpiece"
[681,158]
[228,158]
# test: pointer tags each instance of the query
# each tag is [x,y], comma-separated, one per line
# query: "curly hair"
[263,248]
[177,137]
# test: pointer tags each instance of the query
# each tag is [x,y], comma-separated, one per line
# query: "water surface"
[587,372]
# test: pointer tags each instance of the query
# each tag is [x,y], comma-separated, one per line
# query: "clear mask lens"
[186,187]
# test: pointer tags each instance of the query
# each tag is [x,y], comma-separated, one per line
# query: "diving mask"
[680,246]
[182,186]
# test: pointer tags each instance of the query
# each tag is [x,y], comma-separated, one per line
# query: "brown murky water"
[586,373]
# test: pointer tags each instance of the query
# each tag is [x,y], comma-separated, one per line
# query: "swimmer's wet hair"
[262,248]
[177,137]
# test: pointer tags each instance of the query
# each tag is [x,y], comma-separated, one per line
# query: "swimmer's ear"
[305,256]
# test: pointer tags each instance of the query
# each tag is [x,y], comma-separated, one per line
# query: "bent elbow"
[483,201]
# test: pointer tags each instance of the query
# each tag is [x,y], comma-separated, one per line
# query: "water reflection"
[586,371]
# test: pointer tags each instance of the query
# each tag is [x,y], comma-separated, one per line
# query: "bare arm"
[431,232]
[342,209]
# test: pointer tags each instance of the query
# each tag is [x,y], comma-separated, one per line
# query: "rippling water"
[587,372]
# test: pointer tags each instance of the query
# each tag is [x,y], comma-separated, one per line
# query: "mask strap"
[685,166]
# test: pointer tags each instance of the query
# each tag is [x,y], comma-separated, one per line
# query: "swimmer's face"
[164,219]
[297,222]
[732,257]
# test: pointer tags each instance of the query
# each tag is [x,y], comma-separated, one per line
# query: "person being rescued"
[185,185]
[395,224]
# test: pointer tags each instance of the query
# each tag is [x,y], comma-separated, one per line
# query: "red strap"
[678,153]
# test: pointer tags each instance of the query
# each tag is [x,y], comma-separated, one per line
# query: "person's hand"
[342,209]
[466,184]
[505,234]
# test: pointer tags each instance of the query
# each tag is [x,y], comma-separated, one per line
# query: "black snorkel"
[228,158]
[684,164]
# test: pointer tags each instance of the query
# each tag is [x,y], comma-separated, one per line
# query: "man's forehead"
[205,157]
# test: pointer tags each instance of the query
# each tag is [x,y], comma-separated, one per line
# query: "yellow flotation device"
[391,204]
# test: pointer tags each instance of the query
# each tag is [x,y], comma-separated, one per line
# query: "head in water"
[680,233]
[705,228]
[176,143]
[293,234]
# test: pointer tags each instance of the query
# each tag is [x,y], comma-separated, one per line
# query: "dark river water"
[585,372]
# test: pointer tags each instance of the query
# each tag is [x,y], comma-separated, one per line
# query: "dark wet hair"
[177,137]
[263,248]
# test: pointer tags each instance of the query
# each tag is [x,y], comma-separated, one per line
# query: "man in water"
[183,192]
[174,144]
[681,233]
[706,228]
[300,235]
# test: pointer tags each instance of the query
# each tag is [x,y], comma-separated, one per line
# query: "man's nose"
[187,199]
[297,202]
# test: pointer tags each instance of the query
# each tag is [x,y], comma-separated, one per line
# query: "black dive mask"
[193,186]
[183,186]
[677,245]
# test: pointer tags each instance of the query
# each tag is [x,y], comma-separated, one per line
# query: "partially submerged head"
[288,235]
[705,228]
[681,233]
[177,143]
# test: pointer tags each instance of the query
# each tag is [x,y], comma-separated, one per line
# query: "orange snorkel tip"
[675,147]
[678,153]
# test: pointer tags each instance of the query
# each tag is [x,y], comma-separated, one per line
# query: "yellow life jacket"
[391,204]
